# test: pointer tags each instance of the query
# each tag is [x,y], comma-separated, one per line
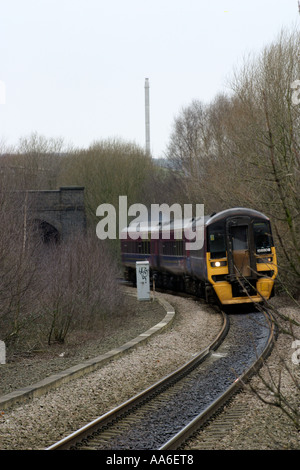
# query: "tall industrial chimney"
[147,116]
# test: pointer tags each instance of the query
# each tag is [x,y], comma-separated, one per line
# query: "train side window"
[146,247]
[179,248]
[170,248]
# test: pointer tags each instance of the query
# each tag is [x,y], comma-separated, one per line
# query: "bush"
[48,291]
[78,285]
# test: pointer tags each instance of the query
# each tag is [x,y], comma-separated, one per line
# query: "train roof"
[235,211]
[208,219]
[178,224]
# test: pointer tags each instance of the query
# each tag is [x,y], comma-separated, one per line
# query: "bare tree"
[33,164]
[190,145]
[268,138]
[17,265]
[78,282]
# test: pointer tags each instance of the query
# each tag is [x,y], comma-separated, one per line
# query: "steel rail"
[109,417]
[178,440]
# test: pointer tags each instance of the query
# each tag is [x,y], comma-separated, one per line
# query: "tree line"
[243,148]
[49,290]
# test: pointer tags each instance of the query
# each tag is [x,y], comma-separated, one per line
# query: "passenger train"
[236,263]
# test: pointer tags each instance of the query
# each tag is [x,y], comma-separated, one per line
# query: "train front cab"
[241,259]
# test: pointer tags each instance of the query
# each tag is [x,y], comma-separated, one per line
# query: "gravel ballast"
[43,421]
[263,426]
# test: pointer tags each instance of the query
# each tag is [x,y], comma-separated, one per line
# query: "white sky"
[76,68]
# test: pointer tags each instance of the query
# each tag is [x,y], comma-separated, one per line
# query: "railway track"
[166,414]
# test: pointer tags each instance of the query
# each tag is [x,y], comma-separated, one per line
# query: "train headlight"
[265,260]
[218,264]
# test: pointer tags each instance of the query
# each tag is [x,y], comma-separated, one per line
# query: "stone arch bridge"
[57,214]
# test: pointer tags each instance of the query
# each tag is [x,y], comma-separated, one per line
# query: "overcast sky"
[76,68]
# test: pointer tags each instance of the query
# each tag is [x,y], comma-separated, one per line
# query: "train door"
[241,258]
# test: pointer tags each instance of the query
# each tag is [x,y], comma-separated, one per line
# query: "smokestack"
[147,116]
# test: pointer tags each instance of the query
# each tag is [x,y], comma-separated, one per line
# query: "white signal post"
[143,280]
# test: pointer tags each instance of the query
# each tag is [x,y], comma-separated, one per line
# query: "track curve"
[110,418]
[265,345]
[165,415]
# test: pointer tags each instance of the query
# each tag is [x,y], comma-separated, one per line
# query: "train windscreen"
[262,237]
[239,236]
[216,241]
